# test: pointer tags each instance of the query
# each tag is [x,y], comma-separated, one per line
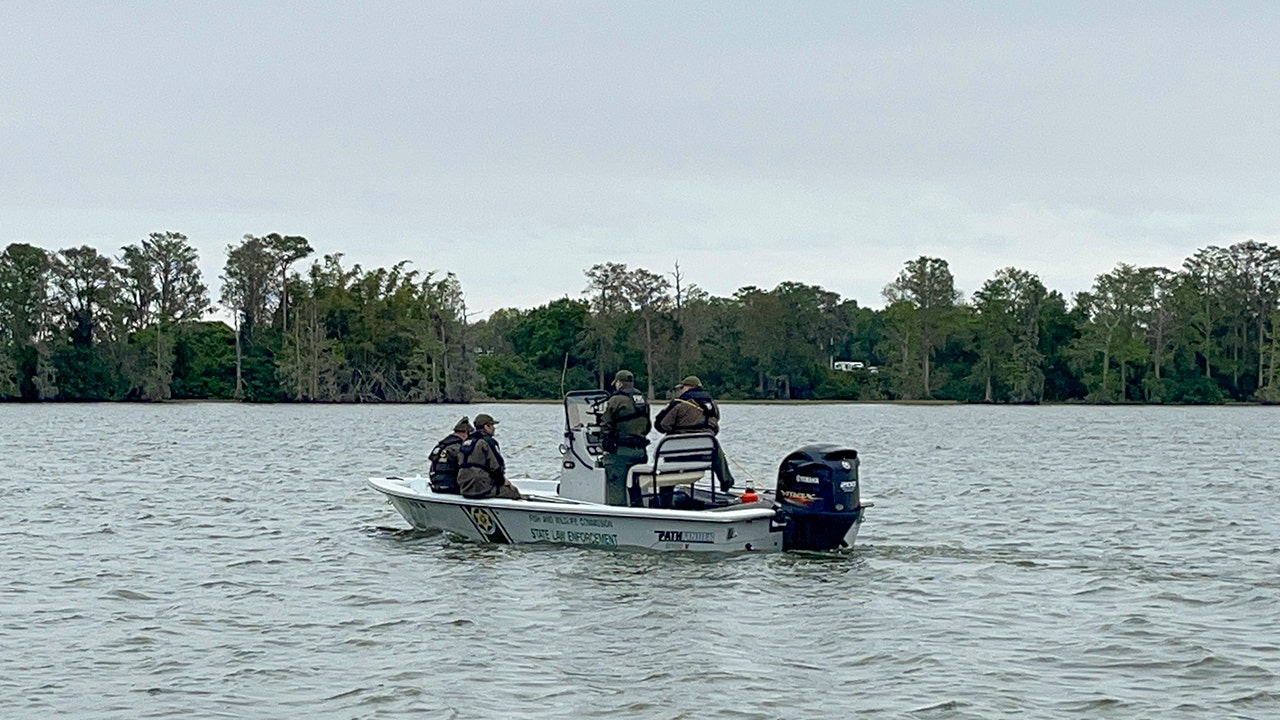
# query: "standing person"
[624,425]
[482,473]
[692,411]
[444,458]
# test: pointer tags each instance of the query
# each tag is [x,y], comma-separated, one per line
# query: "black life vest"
[442,463]
[619,437]
[639,405]
[444,466]
[469,447]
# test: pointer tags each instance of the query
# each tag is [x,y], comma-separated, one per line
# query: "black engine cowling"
[818,496]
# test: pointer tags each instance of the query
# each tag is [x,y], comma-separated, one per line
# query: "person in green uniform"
[624,425]
[482,473]
[693,411]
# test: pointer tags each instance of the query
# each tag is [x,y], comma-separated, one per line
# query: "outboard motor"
[818,496]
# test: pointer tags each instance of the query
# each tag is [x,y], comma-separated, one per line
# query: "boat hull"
[545,519]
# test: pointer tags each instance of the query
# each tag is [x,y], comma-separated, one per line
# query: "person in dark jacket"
[482,473]
[444,458]
[692,411]
[624,425]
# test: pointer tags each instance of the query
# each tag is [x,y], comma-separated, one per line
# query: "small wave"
[1097,589]
[125,594]
[946,705]
[1212,666]
[222,583]
[1092,706]
[1264,698]
[353,692]
[388,624]
[138,640]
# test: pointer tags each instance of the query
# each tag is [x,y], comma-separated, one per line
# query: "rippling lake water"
[221,560]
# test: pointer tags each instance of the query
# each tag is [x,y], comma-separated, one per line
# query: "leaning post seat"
[677,460]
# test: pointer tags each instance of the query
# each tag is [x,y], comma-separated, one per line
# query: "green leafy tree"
[9,377]
[162,286]
[250,292]
[85,295]
[538,353]
[611,309]
[25,323]
[993,304]
[1255,281]
[925,298]
[310,358]
[650,295]
[549,333]
[1161,332]
[1205,288]
[1269,392]
[690,322]
[1008,307]
[1117,308]
[761,315]
[248,284]
[285,250]
[442,347]
[204,362]
[718,357]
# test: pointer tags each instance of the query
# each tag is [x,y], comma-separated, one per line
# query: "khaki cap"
[485,419]
[691,381]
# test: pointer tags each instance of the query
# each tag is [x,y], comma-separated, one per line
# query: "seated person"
[444,458]
[482,473]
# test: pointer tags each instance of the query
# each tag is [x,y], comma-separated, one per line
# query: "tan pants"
[508,491]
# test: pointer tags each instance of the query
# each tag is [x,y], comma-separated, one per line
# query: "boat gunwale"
[576,507]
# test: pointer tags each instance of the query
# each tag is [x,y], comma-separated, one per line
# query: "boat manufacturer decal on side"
[685,536]
[486,523]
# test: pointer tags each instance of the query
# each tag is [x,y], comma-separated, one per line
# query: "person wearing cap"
[691,411]
[624,427]
[482,473]
[444,458]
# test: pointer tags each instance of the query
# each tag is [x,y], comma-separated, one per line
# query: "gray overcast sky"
[517,144]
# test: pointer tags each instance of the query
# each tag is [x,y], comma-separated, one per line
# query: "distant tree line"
[77,325]
[1206,333]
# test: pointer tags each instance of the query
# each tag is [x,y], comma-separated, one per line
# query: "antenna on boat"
[751,478]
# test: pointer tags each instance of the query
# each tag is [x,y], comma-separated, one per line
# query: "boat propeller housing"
[818,496]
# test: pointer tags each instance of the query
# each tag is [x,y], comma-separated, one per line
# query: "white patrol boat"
[815,506]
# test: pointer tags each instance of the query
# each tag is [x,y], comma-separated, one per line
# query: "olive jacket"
[694,411]
[481,469]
